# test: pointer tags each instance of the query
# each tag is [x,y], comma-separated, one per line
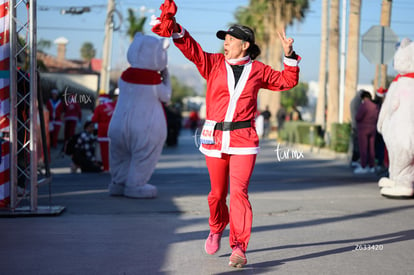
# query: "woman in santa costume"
[55,108]
[229,140]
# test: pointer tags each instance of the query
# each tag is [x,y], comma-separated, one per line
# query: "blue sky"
[203,19]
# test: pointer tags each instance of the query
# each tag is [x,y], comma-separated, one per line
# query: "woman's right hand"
[177,28]
[287,43]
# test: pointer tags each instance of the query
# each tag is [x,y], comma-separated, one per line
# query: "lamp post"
[107,49]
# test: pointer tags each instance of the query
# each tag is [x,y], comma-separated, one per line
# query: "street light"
[75,10]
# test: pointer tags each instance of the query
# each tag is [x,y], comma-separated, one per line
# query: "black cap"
[241,32]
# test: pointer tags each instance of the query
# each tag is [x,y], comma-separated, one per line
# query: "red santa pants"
[236,170]
[54,134]
[70,129]
[104,146]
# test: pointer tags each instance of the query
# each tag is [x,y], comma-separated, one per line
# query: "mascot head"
[404,57]
[148,52]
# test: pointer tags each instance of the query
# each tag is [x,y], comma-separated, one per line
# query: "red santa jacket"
[102,116]
[72,111]
[227,103]
[55,111]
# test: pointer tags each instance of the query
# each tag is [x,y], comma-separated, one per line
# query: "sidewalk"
[311,216]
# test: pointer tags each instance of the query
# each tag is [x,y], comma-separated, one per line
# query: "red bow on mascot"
[164,24]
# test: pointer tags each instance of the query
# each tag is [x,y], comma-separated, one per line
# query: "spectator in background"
[102,116]
[84,150]
[266,122]
[73,116]
[380,151]
[281,117]
[55,108]
[354,105]
[295,114]
[194,120]
[174,117]
[366,119]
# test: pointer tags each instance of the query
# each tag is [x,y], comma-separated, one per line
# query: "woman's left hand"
[287,43]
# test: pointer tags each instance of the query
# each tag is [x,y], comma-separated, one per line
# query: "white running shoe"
[361,170]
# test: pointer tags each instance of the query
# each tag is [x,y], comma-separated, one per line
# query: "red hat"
[381,92]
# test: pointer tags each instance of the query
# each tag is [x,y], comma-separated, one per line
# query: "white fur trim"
[243,150]
[235,61]
[177,35]
[290,62]
[235,93]
[210,153]
[154,21]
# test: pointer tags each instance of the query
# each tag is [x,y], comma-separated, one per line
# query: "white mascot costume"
[396,123]
[138,129]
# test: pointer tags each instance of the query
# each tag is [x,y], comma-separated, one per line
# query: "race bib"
[207,134]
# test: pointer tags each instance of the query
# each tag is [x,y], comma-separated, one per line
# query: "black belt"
[230,126]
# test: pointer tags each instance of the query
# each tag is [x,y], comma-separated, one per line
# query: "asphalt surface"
[311,216]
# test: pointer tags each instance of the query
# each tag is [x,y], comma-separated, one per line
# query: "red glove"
[167,21]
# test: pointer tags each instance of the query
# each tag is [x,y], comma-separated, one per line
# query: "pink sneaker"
[237,258]
[212,244]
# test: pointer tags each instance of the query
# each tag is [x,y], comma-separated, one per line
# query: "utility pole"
[107,49]
[342,62]
[381,69]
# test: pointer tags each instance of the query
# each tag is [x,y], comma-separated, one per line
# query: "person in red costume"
[73,115]
[228,139]
[55,108]
[102,116]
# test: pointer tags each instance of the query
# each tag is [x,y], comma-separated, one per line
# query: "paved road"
[311,216]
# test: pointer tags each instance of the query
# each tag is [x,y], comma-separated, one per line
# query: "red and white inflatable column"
[4,103]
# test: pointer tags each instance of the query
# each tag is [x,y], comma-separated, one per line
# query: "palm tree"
[43,44]
[87,51]
[321,104]
[252,16]
[135,24]
[333,57]
[267,17]
[352,61]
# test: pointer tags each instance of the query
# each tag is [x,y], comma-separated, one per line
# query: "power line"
[70,29]
[49,8]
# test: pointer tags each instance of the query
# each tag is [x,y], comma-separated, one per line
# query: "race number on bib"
[207,134]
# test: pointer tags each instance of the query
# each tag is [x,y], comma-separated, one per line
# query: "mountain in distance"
[188,75]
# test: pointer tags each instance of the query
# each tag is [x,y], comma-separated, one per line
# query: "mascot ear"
[165,43]
[137,35]
[405,42]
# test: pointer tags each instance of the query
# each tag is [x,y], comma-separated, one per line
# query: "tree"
[296,96]
[87,51]
[321,104]
[136,24]
[352,59]
[333,57]
[43,44]
[266,18]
